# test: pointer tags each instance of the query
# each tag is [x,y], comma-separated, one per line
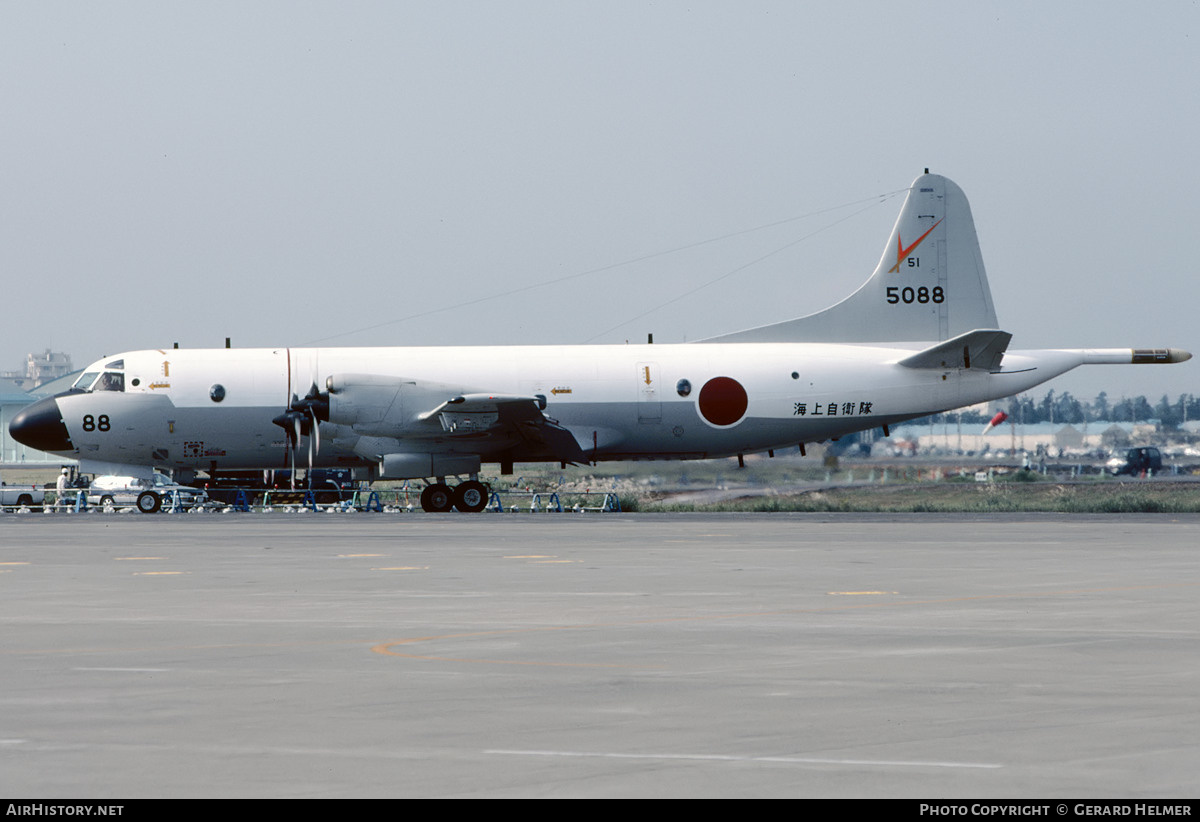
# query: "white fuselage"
[676,401]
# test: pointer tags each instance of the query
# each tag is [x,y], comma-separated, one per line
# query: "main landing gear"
[469,497]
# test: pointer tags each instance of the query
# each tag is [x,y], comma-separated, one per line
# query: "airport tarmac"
[648,655]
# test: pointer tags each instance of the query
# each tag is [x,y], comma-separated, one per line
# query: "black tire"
[106,500]
[437,498]
[149,502]
[471,497]
[25,500]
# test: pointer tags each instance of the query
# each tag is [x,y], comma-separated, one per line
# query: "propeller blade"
[302,418]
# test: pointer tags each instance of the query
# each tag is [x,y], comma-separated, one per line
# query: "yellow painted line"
[386,648]
[73,651]
[513,661]
[692,539]
[15,563]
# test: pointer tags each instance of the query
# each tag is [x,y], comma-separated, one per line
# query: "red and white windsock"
[996,420]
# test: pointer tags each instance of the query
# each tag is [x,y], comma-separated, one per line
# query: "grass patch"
[1008,497]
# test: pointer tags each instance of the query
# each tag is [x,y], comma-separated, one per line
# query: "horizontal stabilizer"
[982,349]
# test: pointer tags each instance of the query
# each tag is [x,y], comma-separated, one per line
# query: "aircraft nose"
[41,426]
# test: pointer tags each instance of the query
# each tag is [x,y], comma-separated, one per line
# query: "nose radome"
[41,426]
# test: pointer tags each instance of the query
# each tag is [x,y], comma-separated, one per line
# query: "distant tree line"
[1068,410]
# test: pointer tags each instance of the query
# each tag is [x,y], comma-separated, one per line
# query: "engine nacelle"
[375,405]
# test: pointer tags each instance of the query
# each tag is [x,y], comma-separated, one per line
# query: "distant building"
[1069,438]
[49,365]
[39,369]
[946,437]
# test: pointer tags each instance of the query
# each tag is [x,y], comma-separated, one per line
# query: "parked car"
[147,494]
[1139,461]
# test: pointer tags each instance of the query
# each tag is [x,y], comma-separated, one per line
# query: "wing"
[507,414]
[445,416]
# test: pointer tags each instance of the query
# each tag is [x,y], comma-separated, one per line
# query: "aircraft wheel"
[149,502]
[437,498]
[471,497]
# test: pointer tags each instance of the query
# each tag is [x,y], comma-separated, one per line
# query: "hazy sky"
[284,172]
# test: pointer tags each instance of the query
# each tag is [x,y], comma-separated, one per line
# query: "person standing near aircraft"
[60,487]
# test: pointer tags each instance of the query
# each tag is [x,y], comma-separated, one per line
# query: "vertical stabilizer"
[929,286]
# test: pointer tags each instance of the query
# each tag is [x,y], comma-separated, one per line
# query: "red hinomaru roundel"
[723,401]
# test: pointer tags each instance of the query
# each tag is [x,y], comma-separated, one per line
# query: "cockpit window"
[85,380]
[110,381]
[97,381]
[116,365]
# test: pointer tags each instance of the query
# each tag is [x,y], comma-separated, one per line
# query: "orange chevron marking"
[902,252]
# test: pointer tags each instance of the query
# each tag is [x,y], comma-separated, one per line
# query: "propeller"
[302,418]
